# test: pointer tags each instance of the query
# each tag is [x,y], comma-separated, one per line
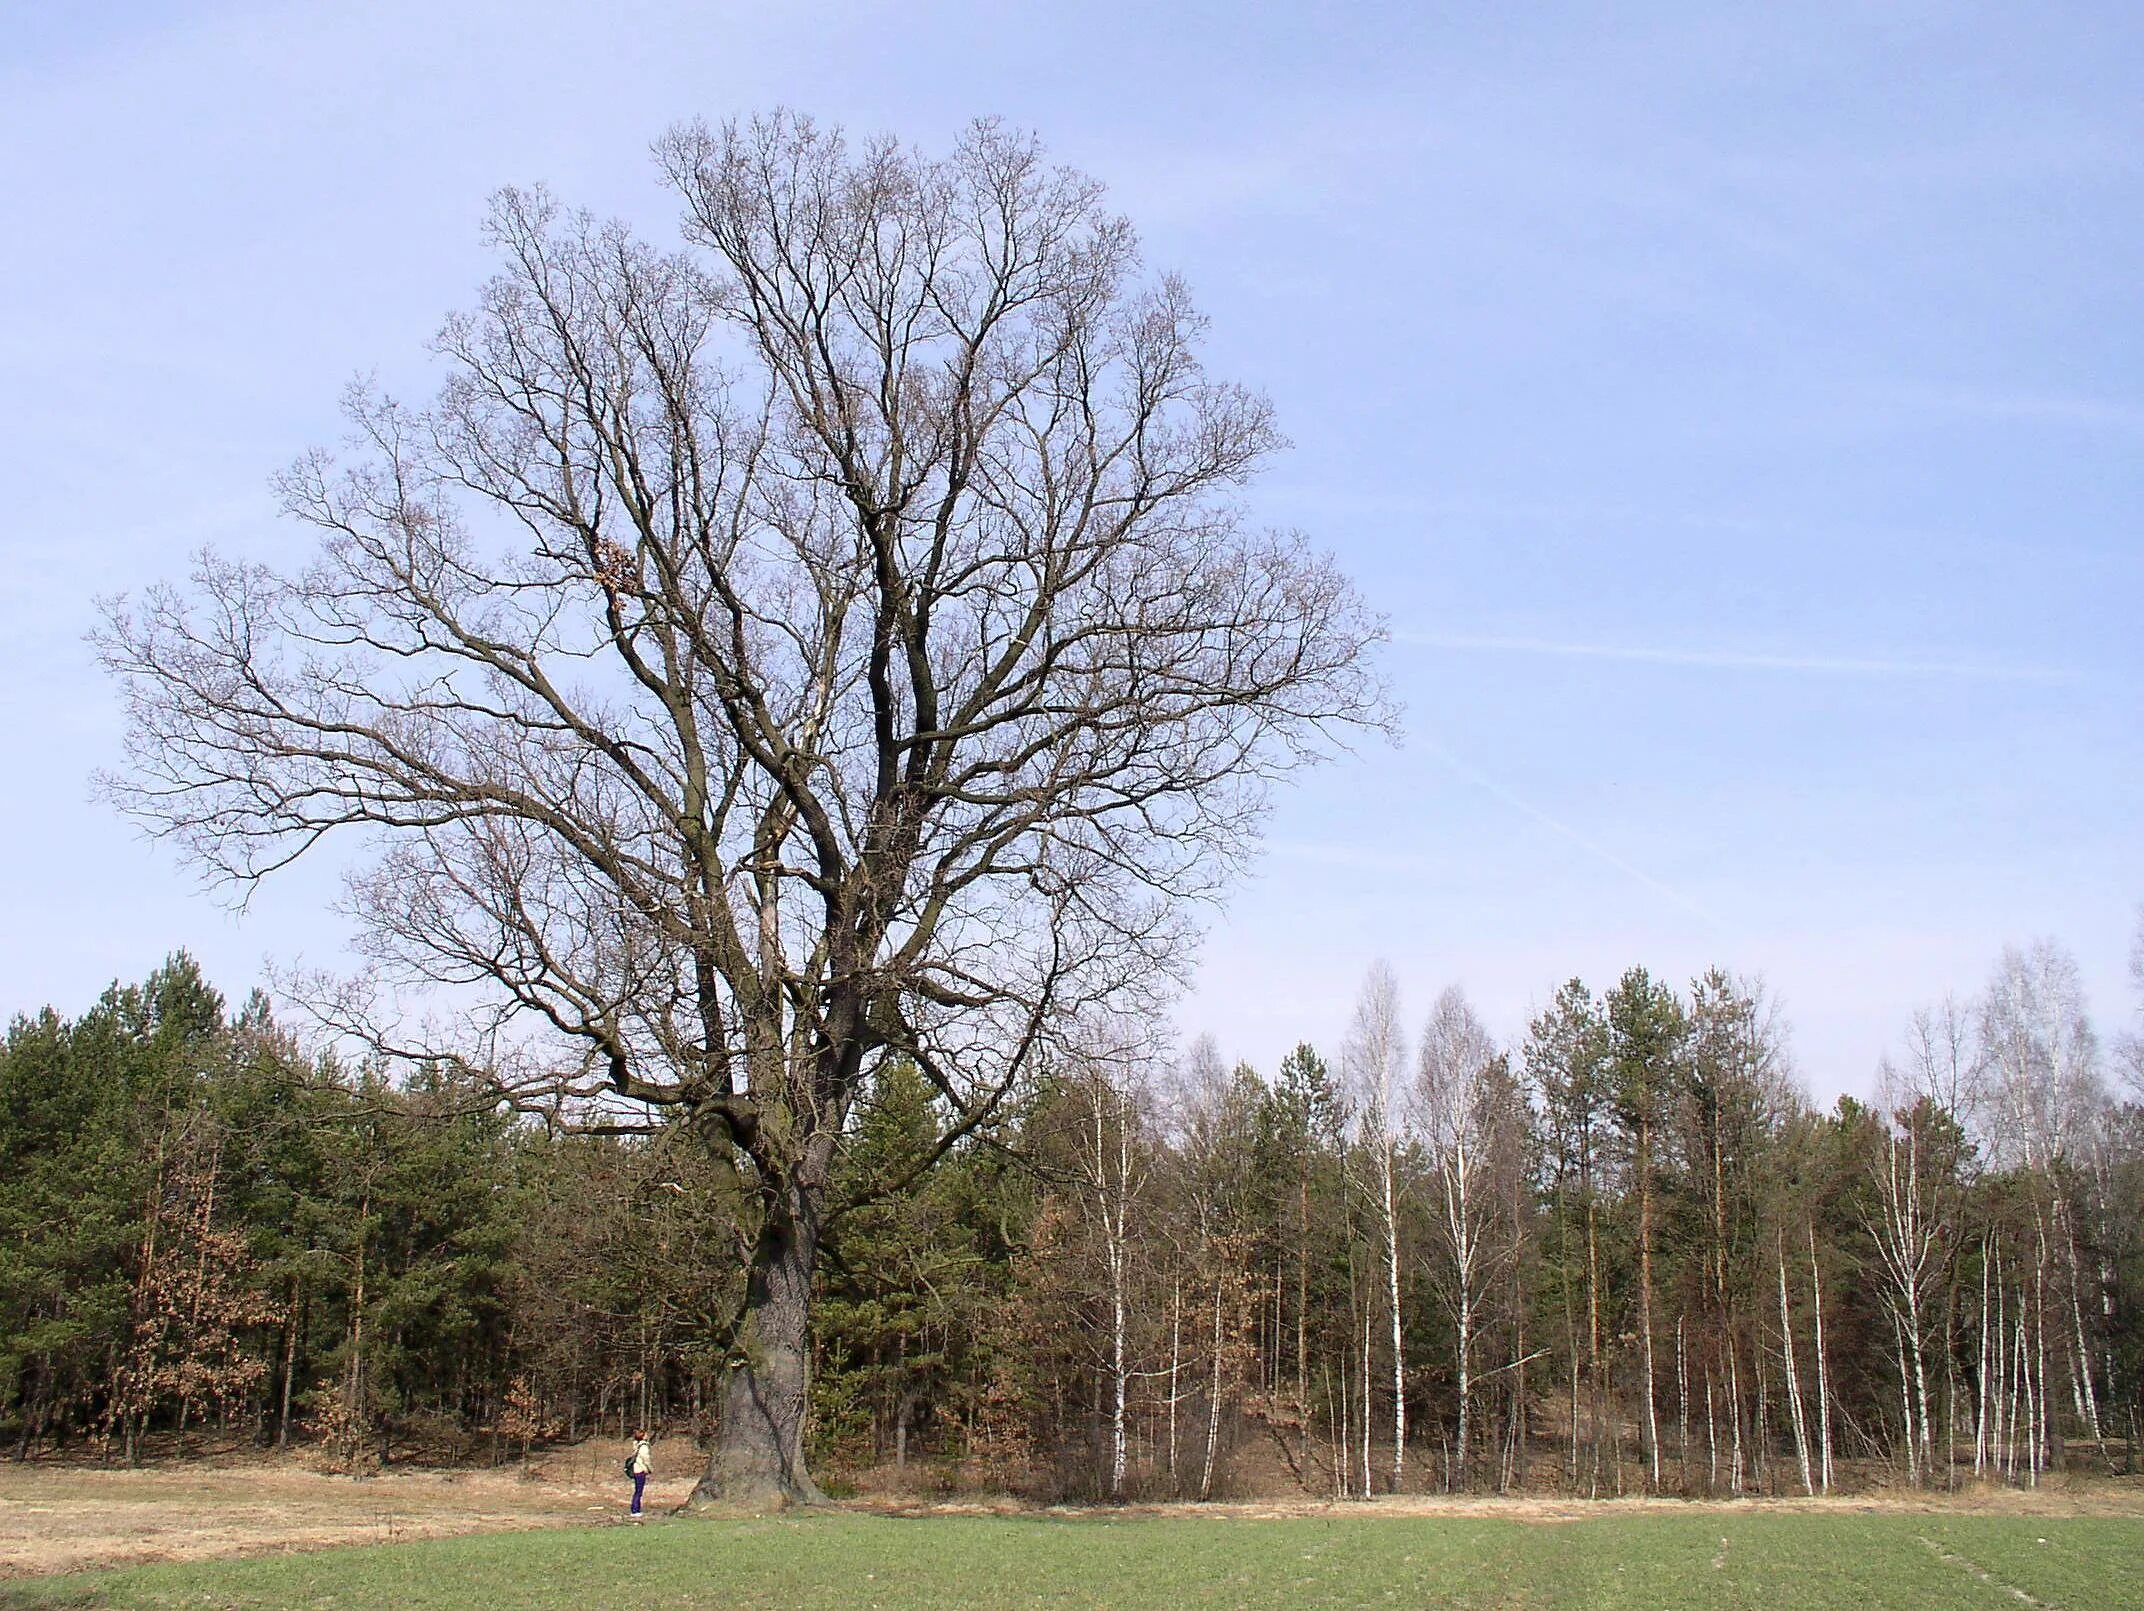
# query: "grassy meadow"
[1655,1559]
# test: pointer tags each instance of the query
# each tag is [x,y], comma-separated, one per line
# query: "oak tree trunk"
[758,1460]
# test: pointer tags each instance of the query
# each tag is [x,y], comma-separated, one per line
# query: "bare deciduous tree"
[833,639]
[2041,1103]
[2038,1088]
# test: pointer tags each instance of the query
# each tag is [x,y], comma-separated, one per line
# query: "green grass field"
[1655,1560]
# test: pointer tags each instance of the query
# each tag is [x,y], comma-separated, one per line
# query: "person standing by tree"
[638,1466]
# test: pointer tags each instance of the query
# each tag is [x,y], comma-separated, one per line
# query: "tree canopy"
[833,637]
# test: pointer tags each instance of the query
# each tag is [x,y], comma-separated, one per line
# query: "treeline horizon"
[1626,1254]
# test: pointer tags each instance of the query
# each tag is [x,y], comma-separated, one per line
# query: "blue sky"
[1738,411]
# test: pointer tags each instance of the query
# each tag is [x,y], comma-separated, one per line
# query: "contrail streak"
[1733,660]
[1586,842]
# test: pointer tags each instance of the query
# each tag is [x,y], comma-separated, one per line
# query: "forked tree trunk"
[758,1460]
[1905,1402]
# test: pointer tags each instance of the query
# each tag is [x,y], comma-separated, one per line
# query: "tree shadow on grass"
[50,1596]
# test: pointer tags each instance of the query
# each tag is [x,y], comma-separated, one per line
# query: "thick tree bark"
[758,1461]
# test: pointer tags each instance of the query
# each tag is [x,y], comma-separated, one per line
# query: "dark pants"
[640,1481]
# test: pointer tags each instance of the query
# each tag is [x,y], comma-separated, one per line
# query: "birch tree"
[1914,1221]
[1373,1061]
[1112,1175]
[1466,1098]
[1797,1417]
[2041,1100]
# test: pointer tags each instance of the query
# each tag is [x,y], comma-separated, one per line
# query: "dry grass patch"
[57,1518]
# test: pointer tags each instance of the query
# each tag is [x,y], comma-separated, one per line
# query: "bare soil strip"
[1987,1577]
[60,1519]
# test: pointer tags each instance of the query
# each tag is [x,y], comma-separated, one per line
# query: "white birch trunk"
[1682,1405]
[1712,1436]
[1823,1371]
[2042,1446]
[2081,1376]
[1983,1425]
[1794,1385]
[1734,1412]
[1213,1401]
[1114,1188]
[1905,1402]
[1392,1295]
[1466,1382]
[1652,1414]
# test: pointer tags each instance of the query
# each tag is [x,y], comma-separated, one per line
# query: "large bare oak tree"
[832,639]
